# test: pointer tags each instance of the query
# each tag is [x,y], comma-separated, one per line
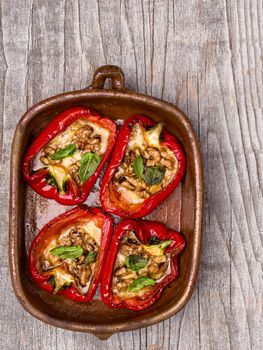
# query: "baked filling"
[147,167]
[74,154]
[71,259]
[138,266]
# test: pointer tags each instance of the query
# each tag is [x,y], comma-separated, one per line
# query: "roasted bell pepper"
[68,254]
[142,261]
[146,165]
[65,160]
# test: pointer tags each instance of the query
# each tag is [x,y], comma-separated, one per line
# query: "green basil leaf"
[165,244]
[64,152]
[66,252]
[90,258]
[65,286]
[51,281]
[138,167]
[154,175]
[135,262]
[88,165]
[59,283]
[140,283]
[154,240]
[51,181]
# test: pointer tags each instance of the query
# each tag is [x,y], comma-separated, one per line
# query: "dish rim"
[103,330]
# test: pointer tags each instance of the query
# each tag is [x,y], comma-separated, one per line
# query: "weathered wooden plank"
[3,69]
[206,58]
[15,23]
[46,51]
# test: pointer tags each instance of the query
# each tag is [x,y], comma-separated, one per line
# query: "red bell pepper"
[38,180]
[147,233]
[49,278]
[111,200]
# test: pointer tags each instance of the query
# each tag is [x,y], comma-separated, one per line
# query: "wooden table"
[204,56]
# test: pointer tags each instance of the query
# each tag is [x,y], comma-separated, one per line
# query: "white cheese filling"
[142,139]
[150,249]
[63,276]
[65,138]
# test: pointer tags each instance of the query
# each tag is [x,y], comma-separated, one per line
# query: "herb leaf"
[165,244]
[60,282]
[154,240]
[51,181]
[65,286]
[66,252]
[138,166]
[51,281]
[154,175]
[140,283]
[88,165]
[90,258]
[64,152]
[135,262]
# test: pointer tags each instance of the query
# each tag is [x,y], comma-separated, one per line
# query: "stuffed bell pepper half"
[68,254]
[147,164]
[65,160]
[142,261]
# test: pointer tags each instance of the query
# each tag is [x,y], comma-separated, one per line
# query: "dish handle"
[103,336]
[114,73]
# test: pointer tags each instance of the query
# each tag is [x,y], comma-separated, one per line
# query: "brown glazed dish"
[182,211]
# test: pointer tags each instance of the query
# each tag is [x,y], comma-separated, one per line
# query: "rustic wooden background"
[206,57]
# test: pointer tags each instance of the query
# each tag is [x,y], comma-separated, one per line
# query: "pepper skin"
[109,200]
[37,180]
[52,229]
[144,230]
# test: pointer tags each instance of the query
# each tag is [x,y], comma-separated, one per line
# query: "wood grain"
[204,56]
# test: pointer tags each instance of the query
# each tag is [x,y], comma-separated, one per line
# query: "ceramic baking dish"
[29,212]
